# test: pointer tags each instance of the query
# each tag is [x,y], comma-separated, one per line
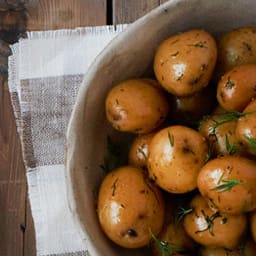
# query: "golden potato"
[220,132]
[129,207]
[208,227]
[176,155]
[228,183]
[190,109]
[136,105]
[184,62]
[236,47]
[246,128]
[237,87]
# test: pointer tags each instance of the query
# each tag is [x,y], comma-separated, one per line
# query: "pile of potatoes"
[189,184]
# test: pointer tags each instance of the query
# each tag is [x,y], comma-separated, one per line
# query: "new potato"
[129,207]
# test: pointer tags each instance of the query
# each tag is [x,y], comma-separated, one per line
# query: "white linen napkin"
[45,72]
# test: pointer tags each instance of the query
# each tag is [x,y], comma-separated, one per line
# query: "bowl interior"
[127,56]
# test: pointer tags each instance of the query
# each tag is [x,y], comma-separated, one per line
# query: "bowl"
[129,55]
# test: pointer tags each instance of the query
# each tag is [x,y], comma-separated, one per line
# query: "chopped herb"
[165,248]
[209,220]
[231,148]
[200,44]
[171,139]
[225,118]
[227,184]
[224,220]
[252,143]
[175,54]
[247,46]
[229,84]
[181,213]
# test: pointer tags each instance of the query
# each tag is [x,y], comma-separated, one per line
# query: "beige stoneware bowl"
[127,56]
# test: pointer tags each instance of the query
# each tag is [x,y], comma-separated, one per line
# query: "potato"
[252,221]
[136,105]
[176,155]
[176,236]
[236,47]
[184,62]
[237,87]
[129,207]
[189,110]
[247,248]
[209,227]
[220,132]
[246,128]
[228,183]
[138,153]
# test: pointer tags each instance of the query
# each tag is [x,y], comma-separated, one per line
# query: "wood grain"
[12,180]
[17,237]
[59,14]
[128,11]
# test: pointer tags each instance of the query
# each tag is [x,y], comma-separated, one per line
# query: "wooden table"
[16,16]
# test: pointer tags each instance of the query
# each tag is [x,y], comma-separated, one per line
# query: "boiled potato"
[138,153]
[229,184]
[252,220]
[208,227]
[129,207]
[220,132]
[136,105]
[175,236]
[246,128]
[190,109]
[176,155]
[236,47]
[184,62]
[237,87]
[247,248]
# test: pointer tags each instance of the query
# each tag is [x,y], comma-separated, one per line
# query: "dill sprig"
[165,248]
[231,148]
[181,213]
[210,222]
[227,184]
[252,143]
[171,139]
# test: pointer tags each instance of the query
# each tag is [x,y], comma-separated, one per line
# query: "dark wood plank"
[128,11]
[12,180]
[59,14]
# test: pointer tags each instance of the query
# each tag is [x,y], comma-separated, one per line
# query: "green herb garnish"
[229,84]
[181,213]
[171,139]
[165,248]
[227,184]
[231,148]
[252,143]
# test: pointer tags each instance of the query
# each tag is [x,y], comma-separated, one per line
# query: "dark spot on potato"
[121,89]
[113,187]
[162,78]
[203,67]
[222,95]
[187,150]
[141,216]
[116,117]
[132,233]
[247,46]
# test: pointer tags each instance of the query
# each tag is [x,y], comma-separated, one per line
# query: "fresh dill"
[165,248]
[171,139]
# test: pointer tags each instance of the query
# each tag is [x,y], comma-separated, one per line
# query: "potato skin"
[176,155]
[136,105]
[246,128]
[129,206]
[235,199]
[237,87]
[236,47]
[209,227]
[252,222]
[138,153]
[175,66]
[222,138]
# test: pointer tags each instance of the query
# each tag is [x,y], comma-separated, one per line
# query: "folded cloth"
[45,72]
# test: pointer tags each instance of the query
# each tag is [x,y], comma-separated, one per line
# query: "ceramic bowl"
[129,55]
